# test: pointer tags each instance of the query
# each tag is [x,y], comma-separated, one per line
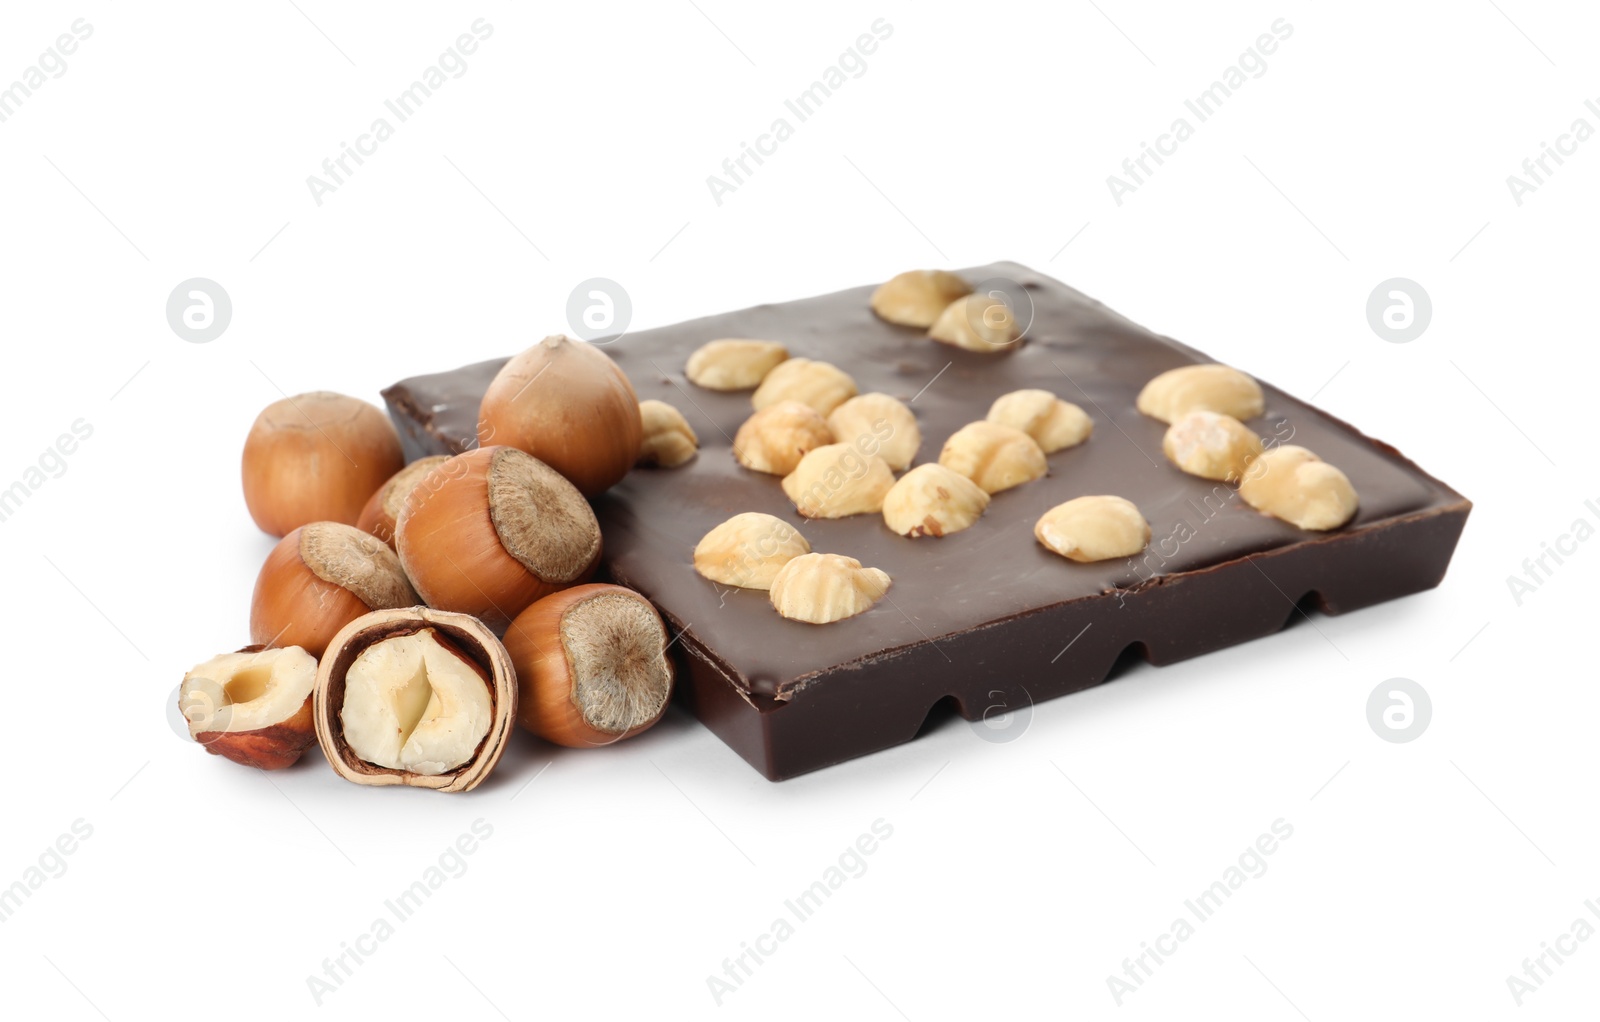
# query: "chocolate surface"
[948,591]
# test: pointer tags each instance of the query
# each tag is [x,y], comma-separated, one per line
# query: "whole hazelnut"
[316,458]
[592,667]
[491,531]
[383,509]
[566,403]
[318,579]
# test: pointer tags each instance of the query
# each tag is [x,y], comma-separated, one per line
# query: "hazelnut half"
[931,500]
[566,403]
[316,458]
[977,323]
[669,441]
[253,706]
[494,529]
[748,549]
[916,297]
[419,697]
[878,424]
[774,439]
[1210,445]
[836,481]
[592,665]
[381,512]
[1053,423]
[318,579]
[733,363]
[995,457]
[1212,388]
[822,588]
[1291,483]
[1097,528]
[821,385]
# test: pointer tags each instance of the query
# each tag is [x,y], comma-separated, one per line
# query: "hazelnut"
[1291,483]
[916,297]
[419,697]
[823,588]
[253,706]
[320,578]
[1210,445]
[1053,423]
[819,384]
[774,439]
[493,530]
[592,666]
[379,516]
[316,458]
[748,549]
[977,323]
[931,500]
[1093,529]
[878,424]
[566,403]
[995,457]
[836,481]
[1211,388]
[668,439]
[733,364]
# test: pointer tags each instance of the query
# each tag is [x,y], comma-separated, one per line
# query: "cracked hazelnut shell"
[460,635]
[252,707]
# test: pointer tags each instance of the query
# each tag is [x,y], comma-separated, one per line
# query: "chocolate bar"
[986,617]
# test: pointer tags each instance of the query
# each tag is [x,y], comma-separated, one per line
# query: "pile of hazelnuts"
[411,613]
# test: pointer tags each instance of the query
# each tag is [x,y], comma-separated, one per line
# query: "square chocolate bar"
[987,616]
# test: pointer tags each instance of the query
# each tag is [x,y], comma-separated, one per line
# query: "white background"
[1019,874]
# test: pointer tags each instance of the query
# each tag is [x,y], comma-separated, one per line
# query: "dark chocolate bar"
[988,609]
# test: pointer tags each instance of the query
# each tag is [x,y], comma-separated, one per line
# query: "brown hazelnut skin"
[318,579]
[456,539]
[316,458]
[547,674]
[274,747]
[383,509]
[566,403]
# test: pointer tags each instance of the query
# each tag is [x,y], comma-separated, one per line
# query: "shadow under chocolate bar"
[986,617]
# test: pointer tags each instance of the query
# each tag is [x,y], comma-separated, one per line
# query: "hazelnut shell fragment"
[467,637]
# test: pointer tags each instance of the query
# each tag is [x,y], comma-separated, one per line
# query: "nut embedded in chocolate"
[1291,483]
[748,549]
[995,457]
[1053,423]
[774,439]
[1209,387]
[821,385]
[418,697]
[823,588]
[931,500]
[669,441]
[733,363]
[1095,528]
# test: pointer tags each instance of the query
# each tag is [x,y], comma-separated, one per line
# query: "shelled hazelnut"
[980,323]
[1053,423]
[821,385]
[1095,528]
[669,441]
[748,549]
[916,297]
[995,457]
[836,481]
[1211,446]
[253,706]
[878,423]
[823,588]
[733,363]
[1210,387]
[1291,483]
[774,439]
[931,500]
